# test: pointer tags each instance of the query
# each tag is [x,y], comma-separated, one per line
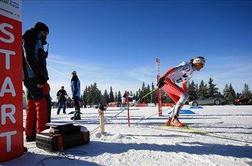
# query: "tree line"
[93,96]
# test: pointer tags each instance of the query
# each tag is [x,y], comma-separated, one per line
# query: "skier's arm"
[184,85]
[162,79]
[169,71]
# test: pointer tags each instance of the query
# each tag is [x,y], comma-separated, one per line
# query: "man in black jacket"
[62,97]
[35,80]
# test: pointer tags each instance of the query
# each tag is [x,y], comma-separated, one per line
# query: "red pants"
[37,114]
[173,90]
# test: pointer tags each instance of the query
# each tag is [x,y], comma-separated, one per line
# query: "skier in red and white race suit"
[169,83]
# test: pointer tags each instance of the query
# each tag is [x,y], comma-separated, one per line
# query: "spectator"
[35,80]
[75,87]
[62,97]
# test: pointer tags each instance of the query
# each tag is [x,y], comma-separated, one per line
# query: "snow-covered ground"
[217,135]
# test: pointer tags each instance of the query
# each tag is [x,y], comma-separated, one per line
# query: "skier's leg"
[178,95]
[180,103]
[175,99]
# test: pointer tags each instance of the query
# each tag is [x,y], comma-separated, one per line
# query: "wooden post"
[101,110]
[127,101]
[101,117]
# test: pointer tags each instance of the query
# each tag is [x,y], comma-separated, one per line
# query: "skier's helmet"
[41,27]
[199,60]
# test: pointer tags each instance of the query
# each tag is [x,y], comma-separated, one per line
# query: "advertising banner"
[11,112]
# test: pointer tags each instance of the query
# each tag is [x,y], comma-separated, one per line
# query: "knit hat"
[41,27]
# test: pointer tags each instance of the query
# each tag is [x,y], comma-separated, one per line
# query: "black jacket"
[34,56]
[61,95]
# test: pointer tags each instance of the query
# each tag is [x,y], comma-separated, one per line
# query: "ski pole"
[147,95]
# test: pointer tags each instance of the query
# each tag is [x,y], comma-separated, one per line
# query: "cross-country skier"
[169,83]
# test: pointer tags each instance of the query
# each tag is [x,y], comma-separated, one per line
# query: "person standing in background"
[62,97]
[75,88]
[35,77]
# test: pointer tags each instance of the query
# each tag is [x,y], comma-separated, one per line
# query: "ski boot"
[175,122]
[168,123]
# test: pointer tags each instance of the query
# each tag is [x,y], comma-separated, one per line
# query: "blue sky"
[115,43]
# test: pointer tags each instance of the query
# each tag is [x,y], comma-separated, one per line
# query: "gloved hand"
[42,54]
[161,82]
[41,80]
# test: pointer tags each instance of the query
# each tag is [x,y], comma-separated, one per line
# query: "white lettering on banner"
[5,114]
[8,139]
[4,88]
[3,30]
[7,54]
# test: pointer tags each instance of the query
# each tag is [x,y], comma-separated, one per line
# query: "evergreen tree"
[212,90]
[89,97]
[85,97]
[119,97]
[146,91]
[226,92]
[106,96]
[137,95]
[202,90]
[141,93]
[96,94]
[229,93]
[246,93]
[153,95]
[92,95]
[192,91]
[238,95]
[232,92]
[111,95]
[116,97]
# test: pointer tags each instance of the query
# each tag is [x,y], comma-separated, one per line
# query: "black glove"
[161,82]
[41,80]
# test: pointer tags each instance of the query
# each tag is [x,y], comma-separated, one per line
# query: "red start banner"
[11,112]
